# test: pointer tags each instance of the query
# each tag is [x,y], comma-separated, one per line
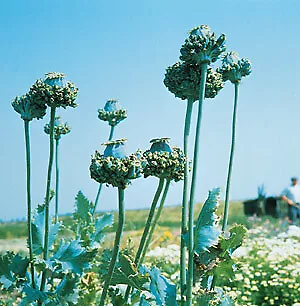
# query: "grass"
[135,220]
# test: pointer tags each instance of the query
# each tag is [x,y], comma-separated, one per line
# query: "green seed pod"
[233,68]
[164,162]
[59,128]
[202,46]
[27,108]
[183,80]
[114,168]
[112,112]
[54,91]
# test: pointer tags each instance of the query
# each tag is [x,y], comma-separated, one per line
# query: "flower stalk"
[56,179]
[47,197]
[115,252]
[29,217]
[156,218]
[142,245]
[190,276]
[184,218]
[111,135]
[233,137]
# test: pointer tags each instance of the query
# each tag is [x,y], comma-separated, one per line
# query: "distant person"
[291,195]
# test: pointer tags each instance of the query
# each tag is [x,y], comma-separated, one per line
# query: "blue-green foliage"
[72,257]
[88,228]
[38,231]
[161,288]
[13,270]
[206,231]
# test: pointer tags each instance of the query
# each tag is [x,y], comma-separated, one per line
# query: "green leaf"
[126,273]
[38,231]
[67,290]
[82,208]
[12,268]
[206,231]
[236,237]
[100,224]
[73,257]
[161,288]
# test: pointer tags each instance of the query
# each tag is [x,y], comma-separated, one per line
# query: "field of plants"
[208,254]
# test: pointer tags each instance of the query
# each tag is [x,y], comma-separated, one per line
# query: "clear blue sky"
[120,49]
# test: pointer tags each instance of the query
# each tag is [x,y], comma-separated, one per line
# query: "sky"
[120,49]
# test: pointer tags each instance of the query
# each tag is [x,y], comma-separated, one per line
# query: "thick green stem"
[146,229]
[28,180]
[184,219]
[56,179]
[226,207]
[47,197]
[190,278]
[156,218]
[111,135]
[116,248]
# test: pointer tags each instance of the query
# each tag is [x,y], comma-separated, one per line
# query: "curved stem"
[47,198]
[190,278]
[111,134]
[184,222]
[28,181]
[56,179]
[116,248]
[226,207]
[146,229]
[156,218]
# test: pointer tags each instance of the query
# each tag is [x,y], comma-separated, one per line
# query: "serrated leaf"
[236,237]
[73,257]
[38,231]
[82,208]
[32,295]
[100,224]
[206,231]
[127,273]
[67,291]
[12,267]
[161,288]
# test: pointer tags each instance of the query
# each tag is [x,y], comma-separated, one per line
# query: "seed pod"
[59,128]
[183,80]
[202,46]
[233,68]
[26,107]
[112,112]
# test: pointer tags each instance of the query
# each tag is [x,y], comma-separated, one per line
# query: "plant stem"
[28,180]
[111,134]
[184,223]
[226,207]
[149,220]
[190,277]
[47,198]
[146,229]
[116,248]
[56,179]
[157,216]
